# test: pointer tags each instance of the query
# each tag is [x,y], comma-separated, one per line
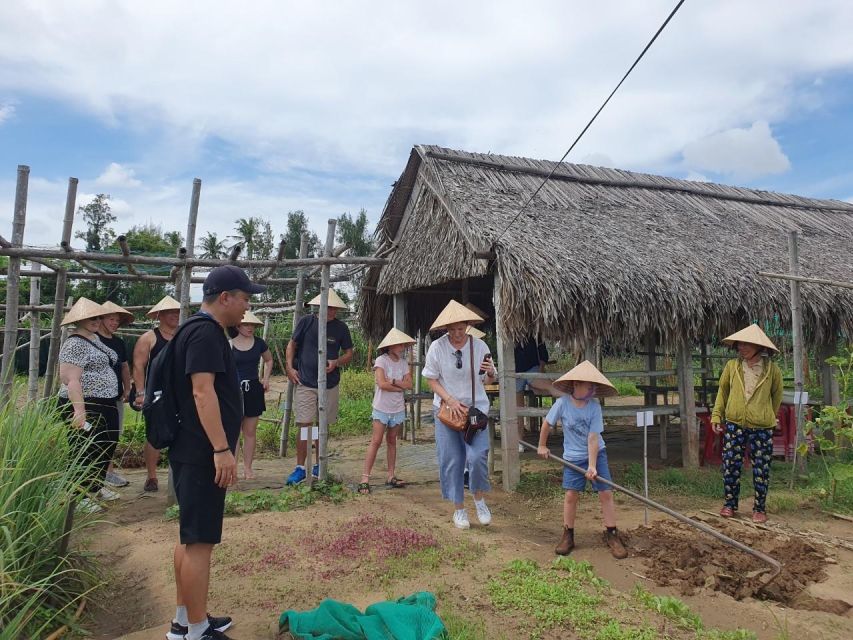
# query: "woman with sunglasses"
[448,372]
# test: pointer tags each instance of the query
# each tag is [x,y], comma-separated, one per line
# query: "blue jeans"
[453,452]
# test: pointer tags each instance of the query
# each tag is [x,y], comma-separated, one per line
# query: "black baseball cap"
[227,278]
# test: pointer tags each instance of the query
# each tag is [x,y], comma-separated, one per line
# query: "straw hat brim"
[168,303]
[475,332]
[251,318]
[586,372]
[753,335]
[84,309]
[455,312]
[125,316]
[335,301]
[395,337]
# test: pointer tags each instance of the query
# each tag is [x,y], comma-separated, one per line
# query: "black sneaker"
[213,634]
[218,624]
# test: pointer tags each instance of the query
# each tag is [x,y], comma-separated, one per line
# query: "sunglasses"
[458,355]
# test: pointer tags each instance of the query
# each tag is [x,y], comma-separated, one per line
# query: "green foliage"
[430,559]
[626,387]
[98,217]
[677,611]
[459,628]
[541,484]
[41,583]
[211,247]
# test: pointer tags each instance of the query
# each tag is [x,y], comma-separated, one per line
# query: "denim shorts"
[574,481]
[521,384]
[389,419]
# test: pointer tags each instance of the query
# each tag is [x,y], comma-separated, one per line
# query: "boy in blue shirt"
[582,421]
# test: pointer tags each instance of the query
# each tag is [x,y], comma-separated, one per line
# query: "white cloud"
[740,153]
[7,110]
[598,160]
[697,177]
[116,175]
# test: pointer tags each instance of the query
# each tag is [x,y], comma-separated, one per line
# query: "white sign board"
[645,418]
[801,397]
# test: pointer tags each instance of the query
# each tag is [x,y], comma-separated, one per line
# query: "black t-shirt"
[117,344]
[203,348]
[529,355]
[247,361]
[338,339]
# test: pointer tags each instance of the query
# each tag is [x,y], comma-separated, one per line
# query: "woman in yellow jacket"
[745,412]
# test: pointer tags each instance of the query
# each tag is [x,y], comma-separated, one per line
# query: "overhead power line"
[589,124]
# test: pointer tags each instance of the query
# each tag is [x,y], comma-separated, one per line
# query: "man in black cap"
[202,455]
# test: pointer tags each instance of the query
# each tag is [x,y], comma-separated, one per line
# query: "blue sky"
[280,106]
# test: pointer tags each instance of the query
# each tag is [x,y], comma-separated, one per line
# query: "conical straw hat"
[335,301]
[82,310]
[473,307]
[454,312]
[125,316]
[586,372]
[168,303]
[475,332]
[251,318]
[394,337]
[753,335]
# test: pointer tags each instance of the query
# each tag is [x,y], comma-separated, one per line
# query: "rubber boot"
[617,549]
[567,542]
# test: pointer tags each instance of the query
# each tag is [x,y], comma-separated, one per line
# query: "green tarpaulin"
[409,618]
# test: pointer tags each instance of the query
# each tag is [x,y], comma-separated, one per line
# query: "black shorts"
[201,502]
[254,404]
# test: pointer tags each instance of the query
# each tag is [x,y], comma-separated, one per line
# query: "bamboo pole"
[796,278]
[59,295]
[190,245]
[297,314]
[508,407]
[35,335]
[147,277]
[322,356]
[797,337]
[687,407]
[7,372]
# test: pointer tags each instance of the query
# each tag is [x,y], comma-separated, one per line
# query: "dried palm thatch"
[606,253]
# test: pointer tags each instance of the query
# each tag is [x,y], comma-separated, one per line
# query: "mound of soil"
[681,556]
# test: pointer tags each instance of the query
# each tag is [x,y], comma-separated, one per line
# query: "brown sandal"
[395,483]
[364,488]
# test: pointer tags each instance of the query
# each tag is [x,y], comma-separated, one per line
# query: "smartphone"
[488,357]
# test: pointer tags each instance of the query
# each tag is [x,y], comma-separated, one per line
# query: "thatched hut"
[600,253]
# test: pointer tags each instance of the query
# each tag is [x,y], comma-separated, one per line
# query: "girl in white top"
[392,376]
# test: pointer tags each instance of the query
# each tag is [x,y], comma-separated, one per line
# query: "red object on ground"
[784,437]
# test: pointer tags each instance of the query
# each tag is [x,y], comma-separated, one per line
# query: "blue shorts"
[574,481]
[523,383]
[390,420]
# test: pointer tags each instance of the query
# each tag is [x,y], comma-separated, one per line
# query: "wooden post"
[186,278]
[508,408]
[266,332]
[322,354]
[297,314]
[419,367]
[652,394]
[399,308]
[797,336]
[10,334]
[831,392]
[687,402]
[35,337]
[59,296]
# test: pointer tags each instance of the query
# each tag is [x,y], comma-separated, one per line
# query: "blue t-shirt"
[577,423]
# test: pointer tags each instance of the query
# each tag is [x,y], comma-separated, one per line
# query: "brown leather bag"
[471,420]
[450,420]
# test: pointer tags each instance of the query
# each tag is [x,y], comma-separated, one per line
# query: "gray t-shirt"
[441,361]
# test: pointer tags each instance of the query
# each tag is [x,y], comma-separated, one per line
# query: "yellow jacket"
[760,411]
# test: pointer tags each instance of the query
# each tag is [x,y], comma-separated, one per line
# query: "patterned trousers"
[735,440]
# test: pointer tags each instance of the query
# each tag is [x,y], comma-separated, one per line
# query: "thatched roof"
[605,253]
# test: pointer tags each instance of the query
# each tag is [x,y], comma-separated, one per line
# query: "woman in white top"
[392,374]
[448,372]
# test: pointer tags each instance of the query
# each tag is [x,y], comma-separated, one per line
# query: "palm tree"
[248,232]
[212,248]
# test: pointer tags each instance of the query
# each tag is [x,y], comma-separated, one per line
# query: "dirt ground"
[271,561]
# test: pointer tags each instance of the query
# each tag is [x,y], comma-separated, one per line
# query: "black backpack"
[160,407]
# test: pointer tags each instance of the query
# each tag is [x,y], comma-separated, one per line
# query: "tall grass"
[41,582]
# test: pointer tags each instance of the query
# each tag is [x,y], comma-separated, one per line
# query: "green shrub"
[42,582]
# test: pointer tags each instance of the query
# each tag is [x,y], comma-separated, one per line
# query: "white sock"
[197,629]
[480,502]
[300,466]
[181,616]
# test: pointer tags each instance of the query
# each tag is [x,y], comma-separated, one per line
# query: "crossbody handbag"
[471,419]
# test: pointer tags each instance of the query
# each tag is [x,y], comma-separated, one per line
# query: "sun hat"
[251,318]
[126,317]
[473,307]
[335,301]
[168,303]
[228,278]
[84,309]
[395,337]
[586,372]
[753,335]
[475,332]
[452,313]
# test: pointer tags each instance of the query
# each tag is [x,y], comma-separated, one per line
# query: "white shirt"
[440,365]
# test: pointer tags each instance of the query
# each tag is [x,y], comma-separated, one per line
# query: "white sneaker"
[460,519]
[483,513]
[116,480]
[87,505]
[521,448]
[108,495]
